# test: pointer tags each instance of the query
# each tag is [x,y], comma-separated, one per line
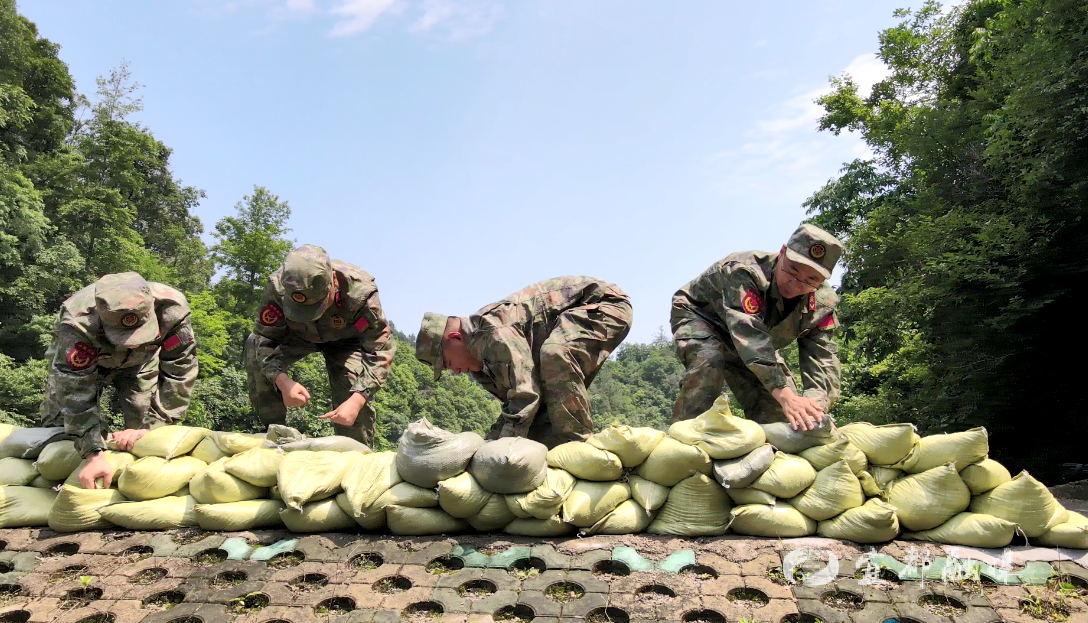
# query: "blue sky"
[459,150]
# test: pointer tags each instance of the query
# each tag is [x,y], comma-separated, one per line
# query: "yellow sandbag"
[838,450]
[461,496]
[649,495]
[786,477]
[5,430]
[208,451]
[969,530]
[779,520]
[546,500]
[237,516]
[162,514]
[882,445]
[585,461]
[117,460]
[590,501]
[258,466]
[236,443]
[868,485]
[884,476]
[213,485]
[58,460]
[308,476]
[672,461]
[494,516]
[985,475]
[628,518]
[741,497]
[77,510]
[17,472]
[929,499]
[632,445]
[719,433]
[322,516]
[25,507]
[374,520]
[182,492]
[367,478]
[1072,533]
[169,441]
[835,490]
[543,528]
[407,494]
[874,521]
[406,521]
[961,449]
[697,506]
[154,477]
[1023,501]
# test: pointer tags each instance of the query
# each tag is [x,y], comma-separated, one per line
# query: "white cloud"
[359,15]
[301,6]
[458,19]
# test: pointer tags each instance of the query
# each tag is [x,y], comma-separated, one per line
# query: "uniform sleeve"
[739,306]
[177,374]
[72,386]
[377,347]
[507,355]
[270,332]
[821,371]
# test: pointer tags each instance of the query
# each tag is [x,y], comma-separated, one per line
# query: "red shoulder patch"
[82,356]
[828,322]
[271,314]
[171,342]
[361,324]
[752,302]
[812,301]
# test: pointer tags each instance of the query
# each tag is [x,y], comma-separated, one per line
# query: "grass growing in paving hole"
[655,594]
[335,605]
[148,576]
[61,549]
[80,597]
[101,617]
[286,560]
[565,591]
[703,616]
[422,611]
[776,575]
[188,535]
[1046,605]
[1068,586]
[611,568]
[138,552]
[15,616]
[476,589]
[804,618]
[843,600]
[445,565]
[750,595]
[10,592]
[67,574]
[165,600]
[310,581]
[366,561]
[942,605]
[228,579]
[884,574]
[527,568]
[699,572]
[249,603]
[516,614]
[393,584]
[210,557]
[607,615]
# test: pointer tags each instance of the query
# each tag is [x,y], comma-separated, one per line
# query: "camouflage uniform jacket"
[82,358]
[739,298]
[355,315]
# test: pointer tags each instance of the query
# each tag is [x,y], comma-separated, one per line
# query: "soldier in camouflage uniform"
[730,322]
[314,304]
[129,333]
[537,351]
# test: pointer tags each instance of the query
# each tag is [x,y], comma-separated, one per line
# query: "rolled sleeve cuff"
[92,442]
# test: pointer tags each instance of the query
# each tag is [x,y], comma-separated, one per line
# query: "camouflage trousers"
[710,364]
[344,364]
[135,390]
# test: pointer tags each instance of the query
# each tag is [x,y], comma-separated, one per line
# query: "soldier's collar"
[773,293]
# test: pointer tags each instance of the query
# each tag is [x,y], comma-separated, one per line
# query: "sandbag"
[838,450]
[984,475]
[41,482]
[16,471]
[969,530]
[213,485]
[961,449]
[779,520]
[787,476]
[169,441]
[238,516]
[649,495]
[373,520]
[76,510]
[235,443]
[782,436]
[407,494]
[307,476]
[366,479]
[590,501]
[154,477]
[58,460]
[875,521]
[321,516]
[406,521]
[279,434]
[332,443]
[697,506]
[882,445]
[719,433]
[869,485]
[585,461]
[740,497]
[542,528]
[166,513]
[208,451]
[627,518]
[258,466]
[743,470]
[884,476]
[461,496]
[672,461]
[927,500]
[27,443]
[25,507]
[427,454]
[117,460]
[510,465]
[546,500]
[1023,501]
[6,430]
[1071,533]
[631,445]
[495,515]
[835,490]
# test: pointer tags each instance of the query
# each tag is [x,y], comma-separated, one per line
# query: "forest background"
[966,235]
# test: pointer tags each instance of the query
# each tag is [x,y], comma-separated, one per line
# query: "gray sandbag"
[58,460]
[427,454]
[782,436]
[28,443]
[510,465]
[742,471]
[290,440]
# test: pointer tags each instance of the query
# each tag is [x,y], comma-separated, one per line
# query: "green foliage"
[639,386]
[21,390]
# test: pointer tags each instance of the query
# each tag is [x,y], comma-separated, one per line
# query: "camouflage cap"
[306,278]
[814,247]
[429,341]
[126,310]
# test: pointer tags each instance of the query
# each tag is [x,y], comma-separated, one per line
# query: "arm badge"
[752,302]
[82,356]
[271,314]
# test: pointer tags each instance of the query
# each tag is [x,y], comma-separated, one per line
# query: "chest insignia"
[812,301]
[338,322]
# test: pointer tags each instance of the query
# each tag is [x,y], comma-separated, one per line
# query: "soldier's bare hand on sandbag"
[294,394]
[348,410]
[126,439]
[97,467]
[803,413]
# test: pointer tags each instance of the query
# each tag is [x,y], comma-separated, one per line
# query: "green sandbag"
[323,516]
[835,490]
[874,521]
[673,461]
[969,530]
[985,475]
[257,466]
[741,497]
[719,433]
[927,500]
[542,528]
[166,513]
[546,500]
[58,460]
[649,495]
[154,477]
[25,507]
[786,477]
[590,501]
[41,483]
[1023,501]
[631,445]
[406,521]
[77,510]
[778,520]
[307,476]
[839,450]
[697,506]
[510,465]
[366,479]
[461,496]
[169,441]
[238,516]
[1071,533]
[494,516]
[117,460]
[628,518]
[961,449]
[17,472]
[27,443]
[213,485]
[585,461]
[882,445]
[208,451]
[236,443]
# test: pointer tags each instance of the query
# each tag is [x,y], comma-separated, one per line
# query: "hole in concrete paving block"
[366,561]
[210,557]
[703,616]
[445,564]
[185,536]
[15,616]
[310,581]
[6,567]
[655,594]
[907,620]
[885,574]
[1068,586]
[527,567]
[803,618]
[189,619]
[110,536]
[70,572]
[749,596]
[517,614]
[565,591]
[700,572]
[80,597]
[776,575]
[278,621]
[101,617]
[227,579]
[10,591]
[139,552]
[942,605]
[3,545]
[148,576]
[164,600]
[844,601]
[476,589]
[252,602]
[287,560]
[393,584]
[62,549]
[611,567]
[1040,607]
[423,611]
[335,605]
[607,615]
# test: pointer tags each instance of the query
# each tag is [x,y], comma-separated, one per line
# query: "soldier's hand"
[294,394]
[127,438]
[348,411]
[803,413]
[97,468]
